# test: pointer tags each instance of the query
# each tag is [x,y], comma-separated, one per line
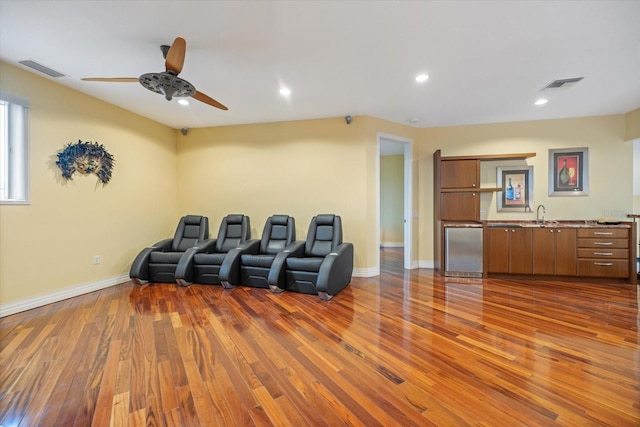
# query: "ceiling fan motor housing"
[167,84]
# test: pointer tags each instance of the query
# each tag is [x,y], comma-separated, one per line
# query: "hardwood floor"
[404,348]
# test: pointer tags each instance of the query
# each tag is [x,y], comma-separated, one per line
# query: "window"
[14,161]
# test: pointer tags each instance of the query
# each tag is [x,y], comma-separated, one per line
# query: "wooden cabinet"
[604,252]
[596,252]
[554,251]
[458,175]
[463,173]
[509,250]
[460,206]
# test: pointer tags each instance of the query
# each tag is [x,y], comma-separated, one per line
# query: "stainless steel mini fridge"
[463,251]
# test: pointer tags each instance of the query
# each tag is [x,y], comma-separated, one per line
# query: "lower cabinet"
[561,251]
[554,251]
[510,250]
[603,252]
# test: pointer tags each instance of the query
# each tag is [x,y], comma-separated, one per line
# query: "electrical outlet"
[96,259]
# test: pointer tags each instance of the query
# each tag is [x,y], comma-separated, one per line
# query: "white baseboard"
[373,271]
[392,244]
[426,264]
[62,294]
[366,272]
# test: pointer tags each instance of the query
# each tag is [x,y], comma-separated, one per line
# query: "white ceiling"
[487,60]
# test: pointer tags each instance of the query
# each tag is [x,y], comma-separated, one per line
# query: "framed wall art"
[569,172]
[517,188]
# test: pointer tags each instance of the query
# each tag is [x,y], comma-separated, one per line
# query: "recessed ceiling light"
[183,102]
[541,101]
[420,78]
[413,120]
[285,91]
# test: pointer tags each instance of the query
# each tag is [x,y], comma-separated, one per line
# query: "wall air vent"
[39,67]
[562,83]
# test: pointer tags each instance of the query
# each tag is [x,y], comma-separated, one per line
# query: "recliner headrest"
[279,219]
[192,219]
[234,219]
[326,219]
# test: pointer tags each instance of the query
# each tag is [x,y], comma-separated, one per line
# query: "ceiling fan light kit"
[168,83]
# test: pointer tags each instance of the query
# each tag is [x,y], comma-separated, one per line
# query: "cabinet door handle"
[604,264]
[603,243]
[473,185]
[603,233]
[603,253]
[550,231]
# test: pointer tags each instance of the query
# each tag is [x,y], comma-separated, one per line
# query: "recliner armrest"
[336,270]
[139,271]
[277,271]
[230,269]
[184,270]
[206,246]
[163,245]
[249,246]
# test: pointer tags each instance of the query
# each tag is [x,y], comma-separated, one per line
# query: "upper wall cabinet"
[460,174]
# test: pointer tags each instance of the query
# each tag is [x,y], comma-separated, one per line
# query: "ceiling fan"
[167,83]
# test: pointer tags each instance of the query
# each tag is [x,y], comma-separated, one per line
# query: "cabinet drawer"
[603,243]
[603,268]
[603,253]
[604,233]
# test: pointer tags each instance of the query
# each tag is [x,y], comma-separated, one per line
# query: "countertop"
[542,224]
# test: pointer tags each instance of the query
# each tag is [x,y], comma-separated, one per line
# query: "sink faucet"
[544,211]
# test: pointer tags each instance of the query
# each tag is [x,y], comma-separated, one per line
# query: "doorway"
[394,225]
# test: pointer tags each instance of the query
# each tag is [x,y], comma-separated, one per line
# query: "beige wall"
[49,244]
[392,200]
[300,168]
[632,125]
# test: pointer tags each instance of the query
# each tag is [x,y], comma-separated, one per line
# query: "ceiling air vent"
[39,67]
[562,83]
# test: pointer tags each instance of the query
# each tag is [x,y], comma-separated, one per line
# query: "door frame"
[408,197]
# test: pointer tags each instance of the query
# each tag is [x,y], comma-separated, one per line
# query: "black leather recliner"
[201,264]
[250,265]
[158,263]
[323,264]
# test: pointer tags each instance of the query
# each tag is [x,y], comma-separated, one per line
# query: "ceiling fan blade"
[111,79]
[175,56]
[208,100]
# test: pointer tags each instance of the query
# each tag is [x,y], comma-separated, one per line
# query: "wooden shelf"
[489,157]
[471,189]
